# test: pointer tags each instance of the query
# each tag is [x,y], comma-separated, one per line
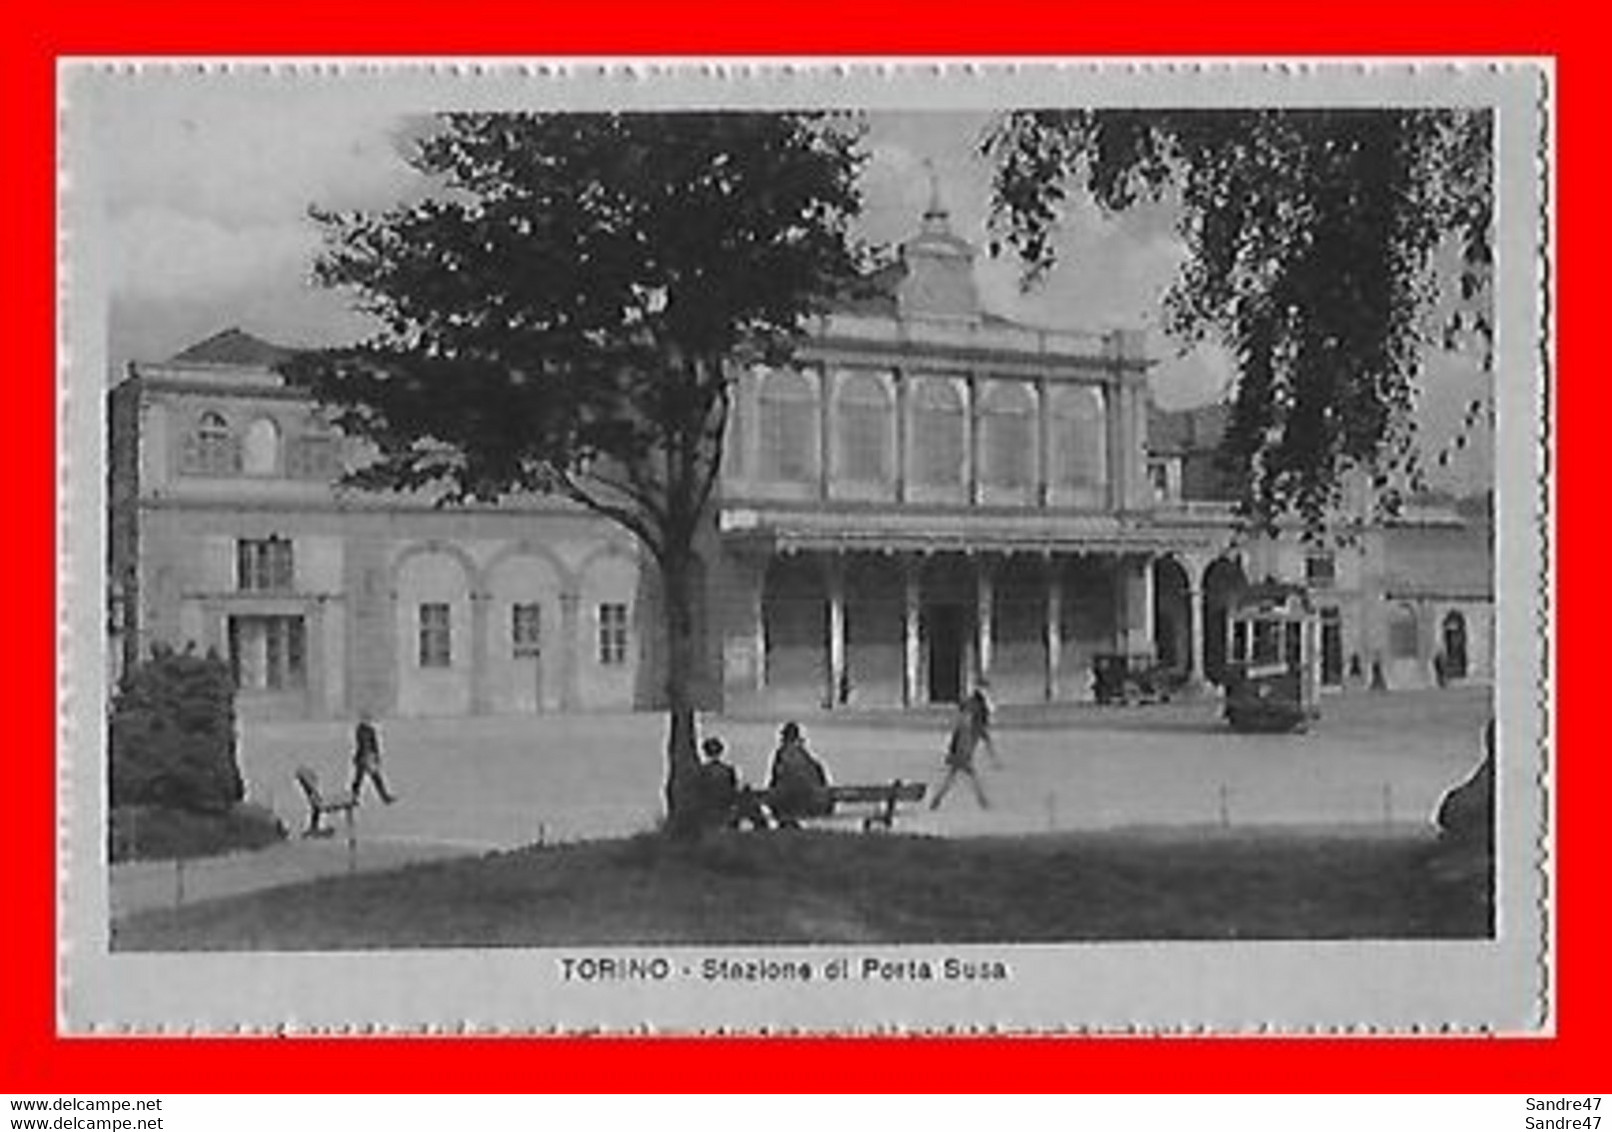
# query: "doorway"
[1455,660]
[944,628]
[1331,646]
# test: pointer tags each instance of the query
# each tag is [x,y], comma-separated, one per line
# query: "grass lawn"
[830,887]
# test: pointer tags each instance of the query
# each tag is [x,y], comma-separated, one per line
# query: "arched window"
[211,450]
[1008,418]
[788,426]
[937,433]
[261,453]
[865,418]
[1079,437]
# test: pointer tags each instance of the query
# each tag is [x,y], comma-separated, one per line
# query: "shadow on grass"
[827,887]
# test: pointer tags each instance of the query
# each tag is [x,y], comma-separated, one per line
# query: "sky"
[206,189]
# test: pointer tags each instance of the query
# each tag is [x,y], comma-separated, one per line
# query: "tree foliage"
[1319,251]
[561,312]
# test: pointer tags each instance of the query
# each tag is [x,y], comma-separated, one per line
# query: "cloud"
[1200,376]
[244,150]
[176,279]
[161,254]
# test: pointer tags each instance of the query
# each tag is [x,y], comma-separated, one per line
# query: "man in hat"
[367,759]
[960,758]
[978,706]
[798,785]
[724,803]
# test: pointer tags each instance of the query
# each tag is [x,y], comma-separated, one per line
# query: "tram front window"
[1267,642]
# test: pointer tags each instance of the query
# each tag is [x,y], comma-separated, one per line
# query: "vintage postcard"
[806,546]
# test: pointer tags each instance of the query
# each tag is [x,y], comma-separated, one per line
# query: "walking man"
[979,712]
[960,758]
[367,759]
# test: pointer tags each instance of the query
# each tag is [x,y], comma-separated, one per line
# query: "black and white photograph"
[758,548]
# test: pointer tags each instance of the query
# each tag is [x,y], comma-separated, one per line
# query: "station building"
[928,495]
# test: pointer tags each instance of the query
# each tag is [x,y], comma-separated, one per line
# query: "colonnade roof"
[970,533]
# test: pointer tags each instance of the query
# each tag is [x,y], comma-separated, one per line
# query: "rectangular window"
[526,629]
[612,633]
[1320,569]
[263,565]
[1158,474]
[268,653]
[436,635]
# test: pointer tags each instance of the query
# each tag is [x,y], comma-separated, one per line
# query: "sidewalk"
[476,785]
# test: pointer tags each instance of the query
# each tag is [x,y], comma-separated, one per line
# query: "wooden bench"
[319,805]
[883,800]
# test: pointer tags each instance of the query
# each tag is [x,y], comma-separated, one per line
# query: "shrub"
[156,833]
[172,739]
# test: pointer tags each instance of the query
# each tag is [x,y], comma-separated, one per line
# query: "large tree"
[1326,249]
[562,310]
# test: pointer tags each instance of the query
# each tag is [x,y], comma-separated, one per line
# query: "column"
[975,388]
[912,611]
[1043,392]
[570,650]
[836,629]
[1195,653]
[1135,591]
[1054,637]
[1139,631]
[903,408]
[985,601]
[825,431]
[1150,629]
[759,628]
[314,698]
[215,630]
[478,653]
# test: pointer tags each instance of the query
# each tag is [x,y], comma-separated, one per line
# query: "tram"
[1272,675]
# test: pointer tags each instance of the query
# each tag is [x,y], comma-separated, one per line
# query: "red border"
[35,35]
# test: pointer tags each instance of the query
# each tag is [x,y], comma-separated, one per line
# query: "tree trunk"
[682,756]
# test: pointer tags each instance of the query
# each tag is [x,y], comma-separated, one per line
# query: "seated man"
[798,786]
[723,802]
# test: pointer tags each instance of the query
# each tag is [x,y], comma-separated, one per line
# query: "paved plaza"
[479,784]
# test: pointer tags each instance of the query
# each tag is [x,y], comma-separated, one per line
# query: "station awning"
[883,531]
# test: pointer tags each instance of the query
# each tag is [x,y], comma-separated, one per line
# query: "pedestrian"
[798,785]
[367,759]
[960,758]
[979,714]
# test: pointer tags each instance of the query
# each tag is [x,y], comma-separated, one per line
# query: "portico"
[865,617]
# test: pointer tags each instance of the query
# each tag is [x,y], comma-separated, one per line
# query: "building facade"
[228,534]
[927,496]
